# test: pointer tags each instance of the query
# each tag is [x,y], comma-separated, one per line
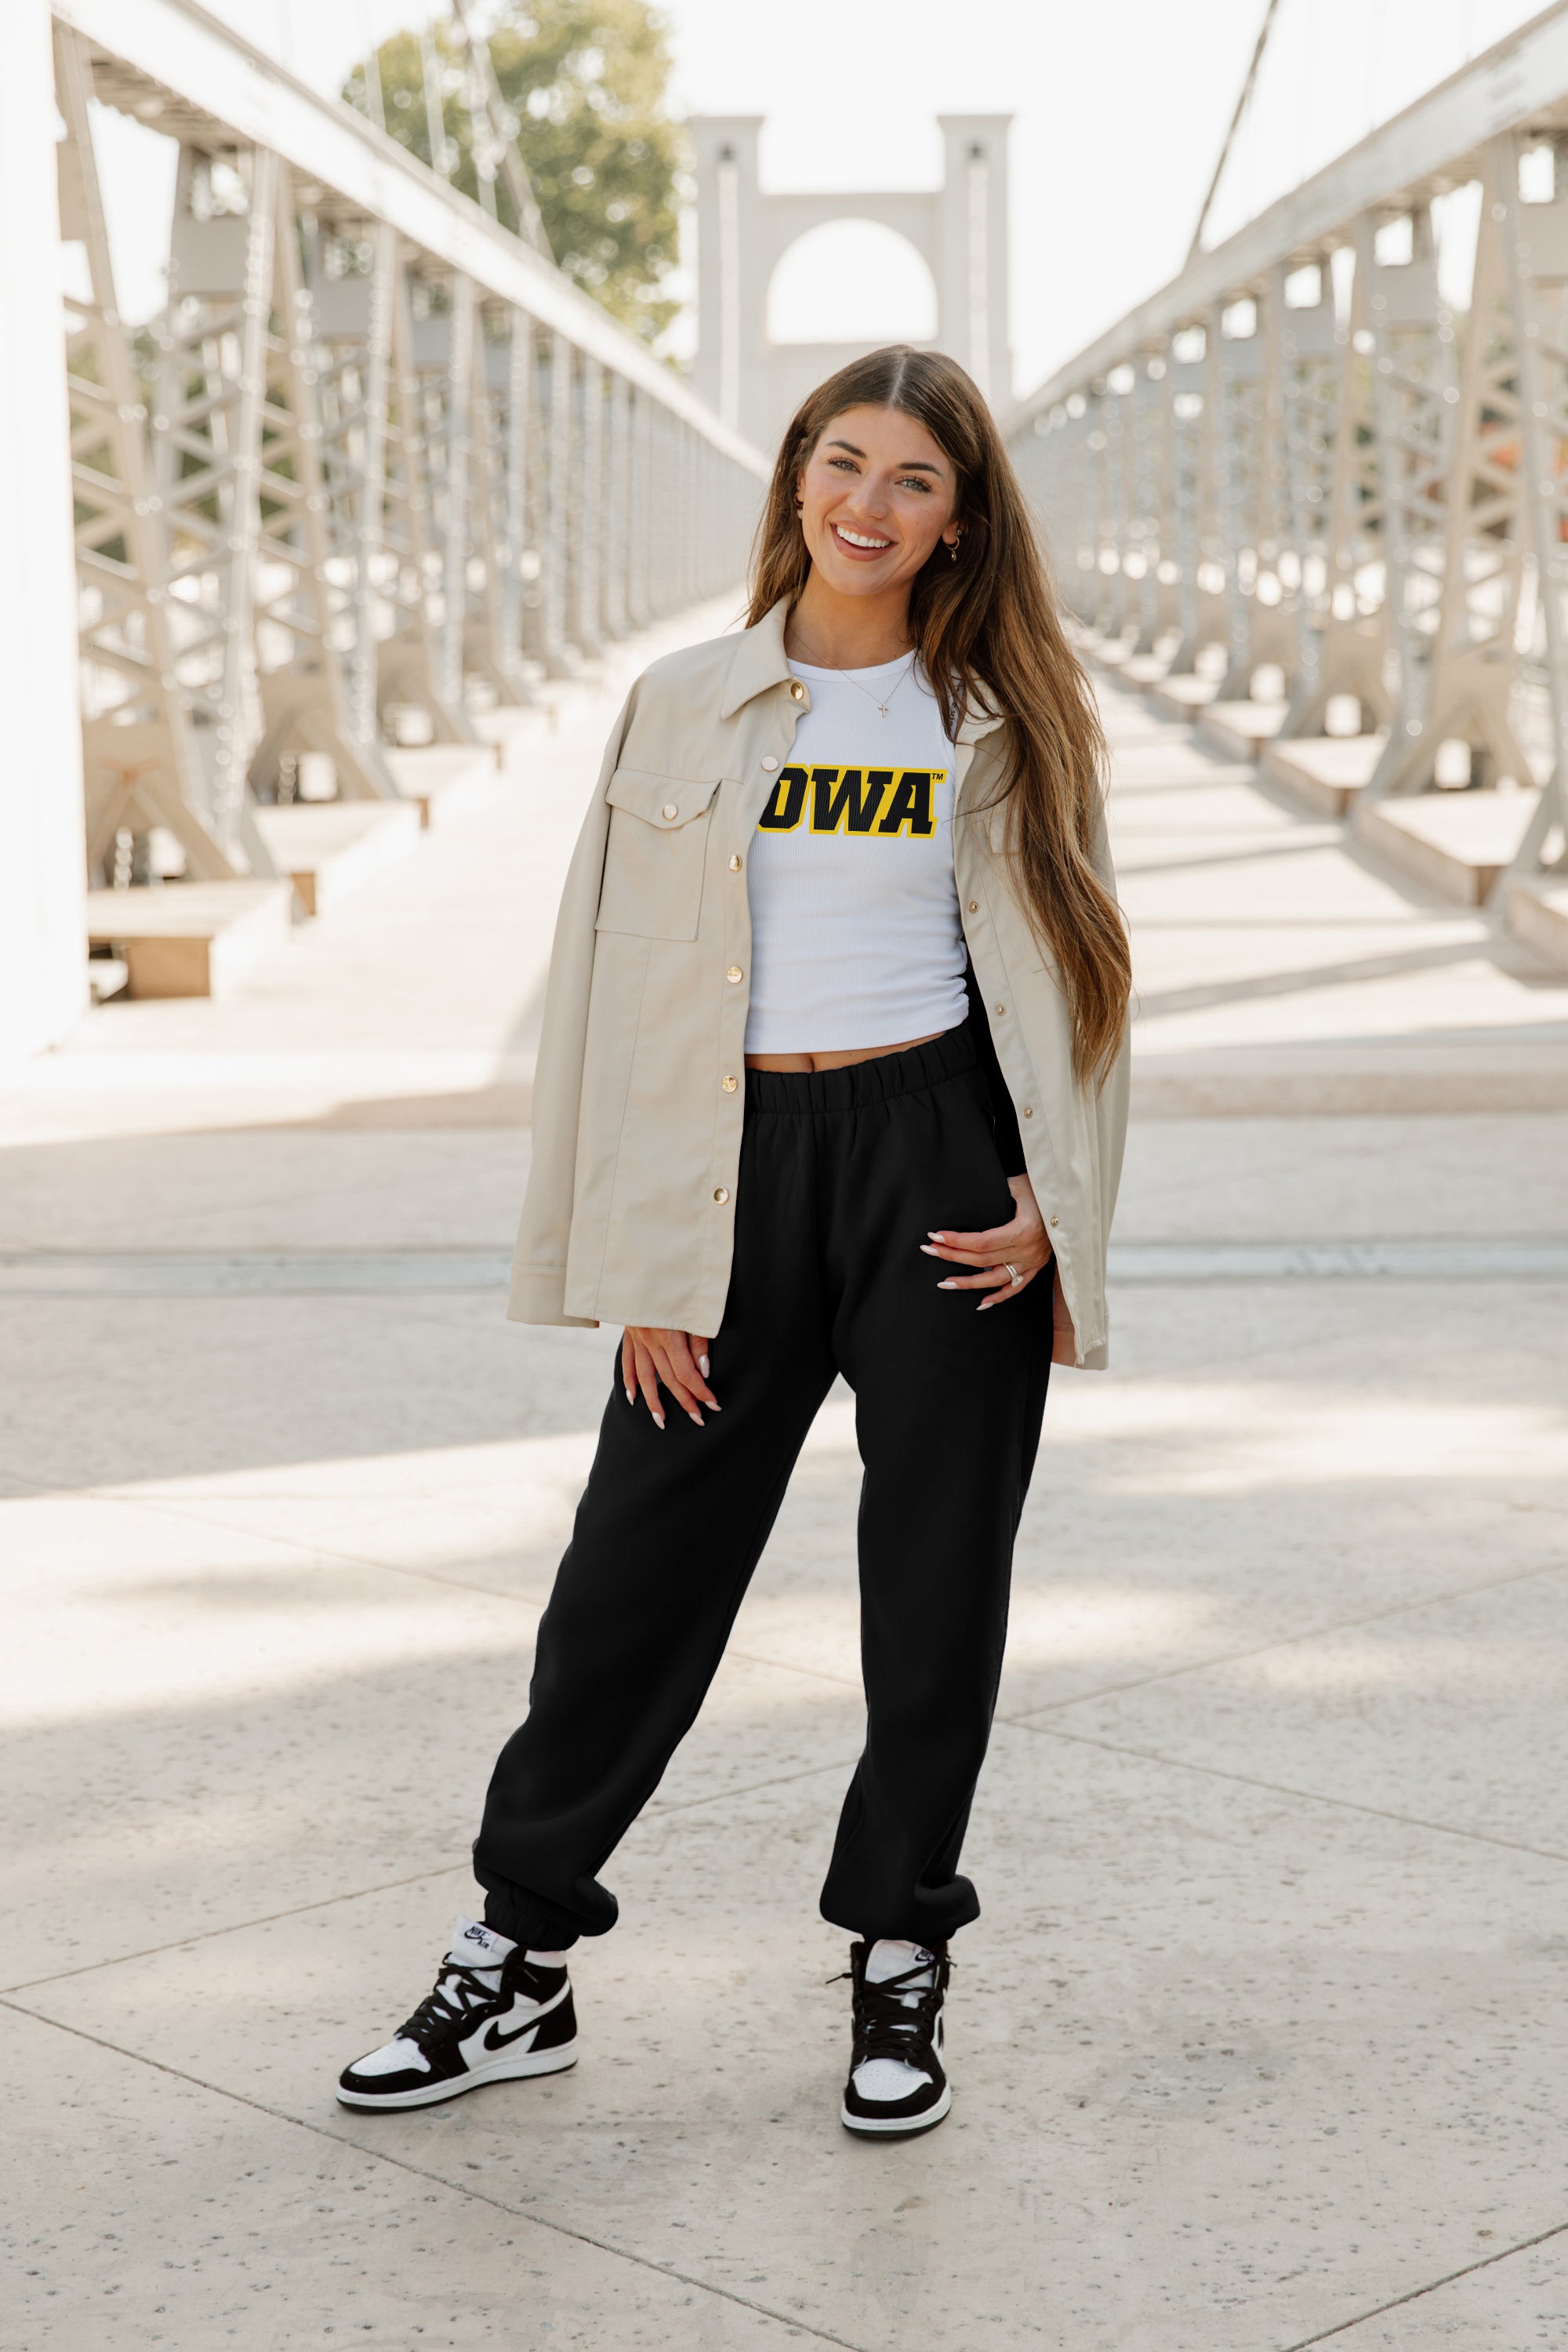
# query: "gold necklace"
[848,676]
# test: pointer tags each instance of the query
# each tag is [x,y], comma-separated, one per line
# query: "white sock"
[484,1950]
[889,1958]
[487,1950]
[890,2078]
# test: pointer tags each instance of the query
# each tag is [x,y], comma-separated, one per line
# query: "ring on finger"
[1013,1270]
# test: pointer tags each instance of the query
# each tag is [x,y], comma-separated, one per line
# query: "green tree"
[585,81]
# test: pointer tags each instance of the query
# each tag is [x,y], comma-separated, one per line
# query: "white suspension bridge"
[1261,2030]
[386,468]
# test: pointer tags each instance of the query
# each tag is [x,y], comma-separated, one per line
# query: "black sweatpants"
[843,1174]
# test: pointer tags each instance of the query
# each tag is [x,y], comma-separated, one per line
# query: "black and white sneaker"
[896,2085]
[494,2014]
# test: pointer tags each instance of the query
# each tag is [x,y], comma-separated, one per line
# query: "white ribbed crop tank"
[855,937]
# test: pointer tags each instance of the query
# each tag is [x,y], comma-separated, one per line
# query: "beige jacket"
[639,1089]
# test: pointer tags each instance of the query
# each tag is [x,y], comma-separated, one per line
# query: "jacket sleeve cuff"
[537,1295]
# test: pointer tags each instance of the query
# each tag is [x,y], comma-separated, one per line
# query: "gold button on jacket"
[630,1147]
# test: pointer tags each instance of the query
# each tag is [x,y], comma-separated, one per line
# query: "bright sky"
[1119,107]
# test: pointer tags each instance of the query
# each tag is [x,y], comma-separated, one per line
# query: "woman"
[856,853]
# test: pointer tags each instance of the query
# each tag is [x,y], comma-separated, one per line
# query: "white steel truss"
[393,460]
[1356,486]
[498,541]
[1414,404]
[307,625]
[1336,508]
[206,453]
[141,765]
[351,273]
[1535,257]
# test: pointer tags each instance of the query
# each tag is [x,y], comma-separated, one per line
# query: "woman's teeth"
[856,538]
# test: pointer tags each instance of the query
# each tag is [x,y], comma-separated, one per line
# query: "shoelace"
[440,2011]
[885,2025]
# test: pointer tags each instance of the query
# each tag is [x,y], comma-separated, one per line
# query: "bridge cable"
[374,92]
[504,131]
[1242,103]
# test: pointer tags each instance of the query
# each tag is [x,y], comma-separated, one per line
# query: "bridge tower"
[959,229]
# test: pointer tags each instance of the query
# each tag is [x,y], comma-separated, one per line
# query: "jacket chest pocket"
[654,855]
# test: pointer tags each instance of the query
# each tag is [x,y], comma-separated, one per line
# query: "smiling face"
[877,493]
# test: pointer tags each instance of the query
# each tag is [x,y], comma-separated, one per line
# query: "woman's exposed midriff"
[840,1057]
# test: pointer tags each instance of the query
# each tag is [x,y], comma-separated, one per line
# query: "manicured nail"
[659,1421]
[631,1396]
[703,1366]
[927,1250]
[697,1417]
[935,1237]
[947,1286]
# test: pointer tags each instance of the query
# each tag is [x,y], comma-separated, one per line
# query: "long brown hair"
[989,639]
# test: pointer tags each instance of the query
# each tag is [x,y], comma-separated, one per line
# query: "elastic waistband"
[863,1083]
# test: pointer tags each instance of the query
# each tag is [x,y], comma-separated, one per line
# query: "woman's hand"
[650,1354]
[1017,1250]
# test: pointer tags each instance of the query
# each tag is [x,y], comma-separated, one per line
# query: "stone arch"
[885,284]
[959,230]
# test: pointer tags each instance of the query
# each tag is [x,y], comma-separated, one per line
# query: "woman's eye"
[844,465]
[914,482]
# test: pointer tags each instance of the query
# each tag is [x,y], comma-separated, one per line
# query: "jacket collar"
[760,661]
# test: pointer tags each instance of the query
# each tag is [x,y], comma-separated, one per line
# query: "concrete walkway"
[1263,2038]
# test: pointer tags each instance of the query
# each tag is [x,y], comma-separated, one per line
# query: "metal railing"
[1303,466]
[376,452]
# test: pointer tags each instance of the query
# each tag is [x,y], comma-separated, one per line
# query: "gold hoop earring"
[953,549]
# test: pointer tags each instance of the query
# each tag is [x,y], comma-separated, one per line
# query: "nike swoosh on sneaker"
[495,2039]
